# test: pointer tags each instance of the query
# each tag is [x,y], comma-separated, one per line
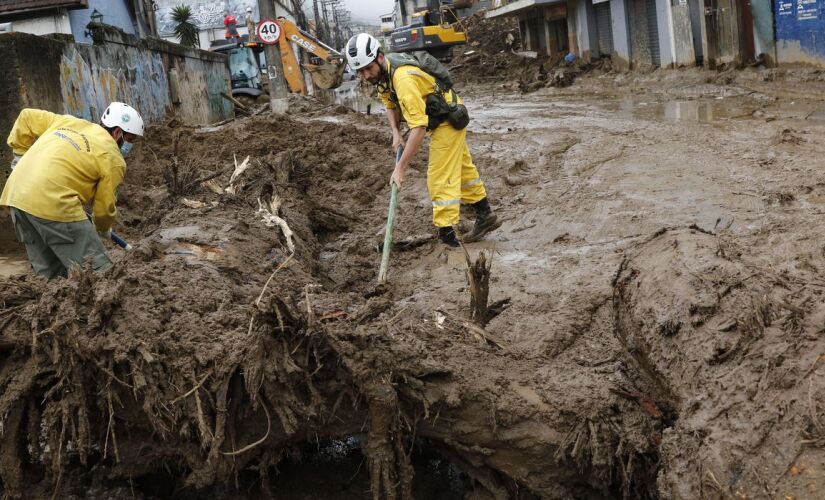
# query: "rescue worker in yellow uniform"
[452,178]
[62,163]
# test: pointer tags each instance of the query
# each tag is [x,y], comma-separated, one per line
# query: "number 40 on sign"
[269,31]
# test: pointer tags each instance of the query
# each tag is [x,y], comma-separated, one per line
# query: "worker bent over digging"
[420,87]
[60,164]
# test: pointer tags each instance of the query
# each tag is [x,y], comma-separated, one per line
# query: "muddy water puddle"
[716,110]
[698,111]
[349,94]
[13,265]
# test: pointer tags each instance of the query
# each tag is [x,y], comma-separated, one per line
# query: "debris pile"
[495,54]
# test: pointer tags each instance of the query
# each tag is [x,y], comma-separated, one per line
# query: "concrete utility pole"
[319,31]
[278,101]
[326,39]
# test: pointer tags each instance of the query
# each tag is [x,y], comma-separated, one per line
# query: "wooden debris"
[478,279]
[269,205]
[238,104]
[239,170]
[479,333]
[192,203]
[213,186]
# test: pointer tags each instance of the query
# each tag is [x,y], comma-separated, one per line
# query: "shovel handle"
[120,241]
[385,256]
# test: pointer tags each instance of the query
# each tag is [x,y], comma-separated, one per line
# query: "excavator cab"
[244,66]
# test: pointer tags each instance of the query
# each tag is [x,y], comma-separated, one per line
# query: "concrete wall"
[682,45]
[667,48]
[574,19]
[621,34]
[591,35]
[698,29]
[763,34]
[583,29]
[80,79]
[800,32]
[641,43]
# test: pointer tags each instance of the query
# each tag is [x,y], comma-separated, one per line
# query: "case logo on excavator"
[303,43]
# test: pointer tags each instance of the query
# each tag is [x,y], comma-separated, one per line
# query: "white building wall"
[44,25]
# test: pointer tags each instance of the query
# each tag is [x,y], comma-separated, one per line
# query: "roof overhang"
[34,6]
[519,6]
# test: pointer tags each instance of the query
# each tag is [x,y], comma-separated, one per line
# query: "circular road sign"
[269,31]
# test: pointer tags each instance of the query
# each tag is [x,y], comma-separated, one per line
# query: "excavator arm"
[326,75]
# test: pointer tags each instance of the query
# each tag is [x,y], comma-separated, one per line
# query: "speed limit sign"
[269,31]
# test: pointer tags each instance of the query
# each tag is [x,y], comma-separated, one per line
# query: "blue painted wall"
[115,13]
[800,31]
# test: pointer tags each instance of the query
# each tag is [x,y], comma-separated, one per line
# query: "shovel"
[385,256]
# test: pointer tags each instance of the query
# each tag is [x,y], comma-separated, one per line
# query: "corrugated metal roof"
[8,7]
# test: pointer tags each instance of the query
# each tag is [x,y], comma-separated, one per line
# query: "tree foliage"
[185,29]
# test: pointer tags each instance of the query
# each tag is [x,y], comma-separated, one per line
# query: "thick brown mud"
[663,339]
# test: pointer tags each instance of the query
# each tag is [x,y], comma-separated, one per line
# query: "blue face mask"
[125,148]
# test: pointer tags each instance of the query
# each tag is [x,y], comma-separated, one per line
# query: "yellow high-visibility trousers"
[452,179]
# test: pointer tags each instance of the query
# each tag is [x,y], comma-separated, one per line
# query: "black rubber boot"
[486,220]
[447,236]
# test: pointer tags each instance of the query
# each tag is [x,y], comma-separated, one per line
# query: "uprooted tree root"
[75,399]
[95,379]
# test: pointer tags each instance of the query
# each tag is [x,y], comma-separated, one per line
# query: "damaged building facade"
[673,33]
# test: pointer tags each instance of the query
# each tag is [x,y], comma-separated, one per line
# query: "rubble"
[494,56]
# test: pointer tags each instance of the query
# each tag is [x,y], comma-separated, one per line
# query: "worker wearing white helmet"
[417,89]
[62,163]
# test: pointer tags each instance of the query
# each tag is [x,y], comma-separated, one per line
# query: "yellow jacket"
[68,161]
[412,86]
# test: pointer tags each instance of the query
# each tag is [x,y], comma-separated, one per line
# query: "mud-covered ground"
[662,256]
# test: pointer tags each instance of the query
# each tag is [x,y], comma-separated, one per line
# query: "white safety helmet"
[124,116]
[362,49]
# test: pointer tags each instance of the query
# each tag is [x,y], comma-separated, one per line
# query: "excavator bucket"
[326,76]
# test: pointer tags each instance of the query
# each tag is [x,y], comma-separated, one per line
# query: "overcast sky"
[369,10]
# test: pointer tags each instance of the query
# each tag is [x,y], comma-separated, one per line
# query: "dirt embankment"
[212,356]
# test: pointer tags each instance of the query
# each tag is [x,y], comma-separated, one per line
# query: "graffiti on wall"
[139,80]
[205,13]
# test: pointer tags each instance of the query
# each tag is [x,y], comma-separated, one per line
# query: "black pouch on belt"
[458,116]
[437,110]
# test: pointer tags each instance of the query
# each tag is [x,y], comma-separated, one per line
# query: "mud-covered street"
[656,327]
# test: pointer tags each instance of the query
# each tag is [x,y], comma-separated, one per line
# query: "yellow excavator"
[435,29]
[328,73]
